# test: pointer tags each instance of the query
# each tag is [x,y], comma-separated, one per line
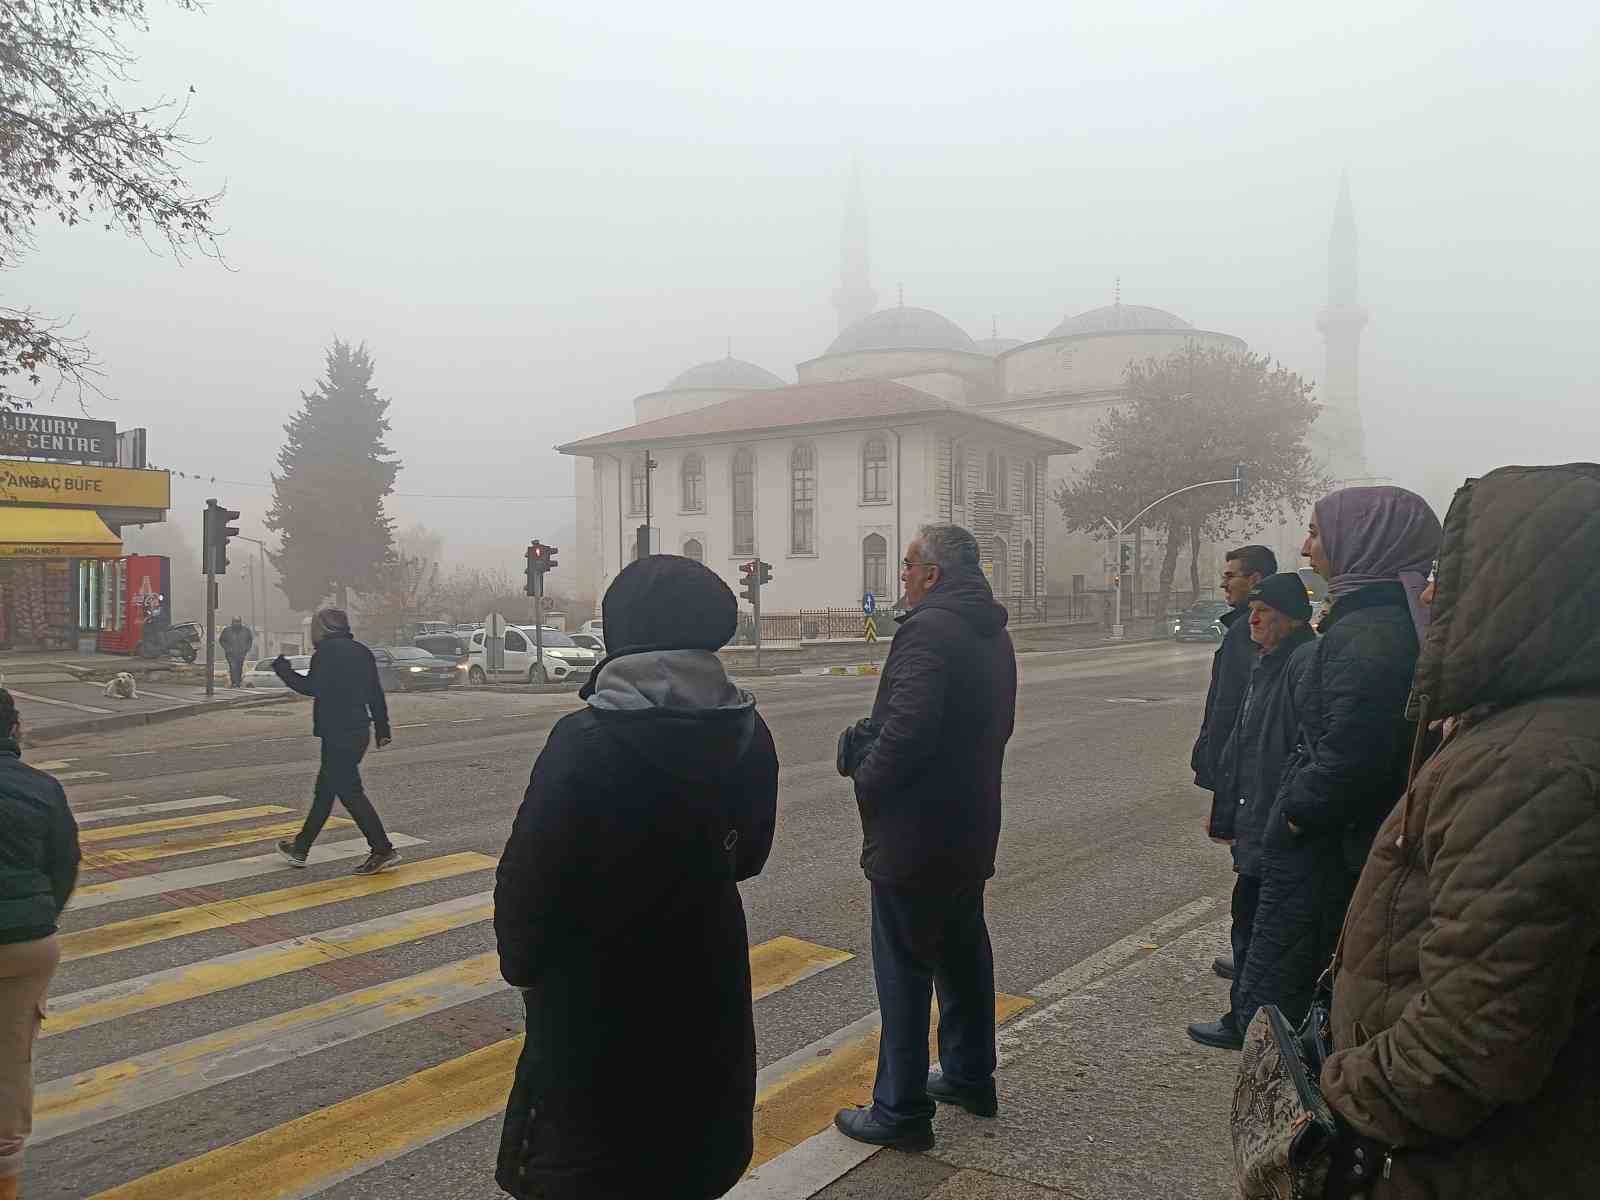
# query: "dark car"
[451,645]
[404,668]
[1199,623]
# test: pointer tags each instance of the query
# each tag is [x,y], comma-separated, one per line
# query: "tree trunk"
[1194,564]
[1169,564]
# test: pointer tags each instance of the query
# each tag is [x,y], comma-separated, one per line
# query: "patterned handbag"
[1284,1133]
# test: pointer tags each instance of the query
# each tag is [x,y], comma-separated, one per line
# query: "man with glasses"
[927,779]
[1242,571]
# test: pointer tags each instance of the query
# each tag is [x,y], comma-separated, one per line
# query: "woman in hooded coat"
[1374,546]
[644,811]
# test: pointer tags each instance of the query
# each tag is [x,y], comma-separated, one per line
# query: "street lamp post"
[1120,532]
[261,569]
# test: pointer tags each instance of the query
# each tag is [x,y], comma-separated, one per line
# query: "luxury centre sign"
[39,435]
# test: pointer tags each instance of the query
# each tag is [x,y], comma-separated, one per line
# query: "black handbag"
[854,743]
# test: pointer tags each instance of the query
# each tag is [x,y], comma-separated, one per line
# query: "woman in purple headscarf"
[1374,546]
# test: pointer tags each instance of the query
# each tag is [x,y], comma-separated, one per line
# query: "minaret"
[854,297]
[1339,436]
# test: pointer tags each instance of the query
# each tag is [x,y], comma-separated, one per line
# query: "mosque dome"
[902,329]
[727,372]
[1120,318]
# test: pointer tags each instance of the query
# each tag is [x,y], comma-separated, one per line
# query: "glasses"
[911,566]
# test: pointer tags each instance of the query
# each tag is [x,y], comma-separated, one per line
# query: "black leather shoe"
[1222,1033]
[1223,967]
[979,1101]
[863,1125]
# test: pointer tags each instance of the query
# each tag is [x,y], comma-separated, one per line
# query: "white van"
[564,659]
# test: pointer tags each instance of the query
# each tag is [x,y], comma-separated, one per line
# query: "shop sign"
[43,436]
[59,550]
[83,487]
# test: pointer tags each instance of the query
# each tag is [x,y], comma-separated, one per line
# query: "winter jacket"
[1347,769]
[1469,982]
[617,909]
[38,849]
[343,680]
[929,788]
[236,641]
[1230,675]
[1262,739]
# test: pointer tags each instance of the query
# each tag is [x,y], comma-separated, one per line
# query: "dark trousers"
[923,941]
[235,670]
[340,779]
[1246,895]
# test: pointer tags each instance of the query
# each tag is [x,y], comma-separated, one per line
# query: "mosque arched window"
[694,483]
[803,500]
[693,548]
[958,473]
[744,501]
[1027,568]
[1030,482]
[637,486]
[874,471]
[875,565]
[1002,576]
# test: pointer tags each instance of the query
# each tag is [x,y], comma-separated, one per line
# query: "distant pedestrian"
[1465,1061]
[38,869]
[236,641]
[644,811]
[928,787]
[348,708]
[1242,570]
[1374,546]
[1263,737]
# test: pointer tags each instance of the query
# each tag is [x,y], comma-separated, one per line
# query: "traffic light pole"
[538,623]
[756,606]
[211,612]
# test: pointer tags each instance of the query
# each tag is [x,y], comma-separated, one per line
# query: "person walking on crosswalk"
[38,870]
[617,911]
[348,709]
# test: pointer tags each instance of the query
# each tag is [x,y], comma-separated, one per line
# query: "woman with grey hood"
[644,811]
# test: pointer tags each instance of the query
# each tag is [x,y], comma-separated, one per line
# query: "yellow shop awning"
[55,533]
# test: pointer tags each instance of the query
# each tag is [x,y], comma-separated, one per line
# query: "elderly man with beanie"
[1242,569]
[928,788]
[644,811]
[348,705]
[236,642]
[1252,761]
[38,869]
[1374,546]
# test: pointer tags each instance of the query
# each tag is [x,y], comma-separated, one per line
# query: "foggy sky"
[530,217]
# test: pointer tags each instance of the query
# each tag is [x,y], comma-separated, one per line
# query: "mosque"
[903,419]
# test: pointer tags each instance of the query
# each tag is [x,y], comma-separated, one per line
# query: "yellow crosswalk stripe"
[307,1154]
[101,859]
[167,824]
[141,931]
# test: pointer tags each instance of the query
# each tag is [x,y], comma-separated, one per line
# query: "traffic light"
[750,582]
[217,531]
[1125,558]
[1241,480]
[765,572]
[540,559]
[550,557]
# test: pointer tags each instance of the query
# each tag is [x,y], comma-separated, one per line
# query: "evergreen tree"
[334,473]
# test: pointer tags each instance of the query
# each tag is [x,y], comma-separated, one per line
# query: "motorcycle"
[178,642]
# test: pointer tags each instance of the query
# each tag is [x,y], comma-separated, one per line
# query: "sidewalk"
[56,704]
[1102,1097]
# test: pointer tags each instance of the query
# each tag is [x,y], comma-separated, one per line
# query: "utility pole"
[261,569]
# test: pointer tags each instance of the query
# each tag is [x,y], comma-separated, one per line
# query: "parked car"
[1200,622]
[450,644]
[405,668]
[262,676]
[434,627]
[564,659]
[589,642]
[595,628]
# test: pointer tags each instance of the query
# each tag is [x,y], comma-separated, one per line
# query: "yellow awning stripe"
[28,532]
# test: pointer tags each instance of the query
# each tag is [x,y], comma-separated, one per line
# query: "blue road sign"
[869,604]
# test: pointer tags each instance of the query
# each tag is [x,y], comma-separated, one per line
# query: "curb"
[66,729]
[863,669]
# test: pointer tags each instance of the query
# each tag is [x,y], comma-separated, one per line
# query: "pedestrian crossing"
[184,983]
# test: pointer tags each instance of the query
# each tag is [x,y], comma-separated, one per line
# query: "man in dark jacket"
[929,793]
[236,641]
[1252,762]
[644,811]
[1242,570]
[348,705]
[38,868]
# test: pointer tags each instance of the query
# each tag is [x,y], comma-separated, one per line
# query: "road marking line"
[102,859]
[93,1006]
[785,961]
[1123,950]
[139,810]
[57,764]
[327,1146]
[168,824]
[415,725]
[210,746]
[133,754]
[114,891]
[180,922]
[88,708]
[466,720]
[69,776]
[119,1089]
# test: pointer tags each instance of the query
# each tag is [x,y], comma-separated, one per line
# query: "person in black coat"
[236,642]
[1252,762]
[927,783]
[38,869]
[1374,546]
[1242,570]
[348,707]
[644,811]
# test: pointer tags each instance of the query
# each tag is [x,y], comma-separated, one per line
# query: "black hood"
[676,709]
[965,592]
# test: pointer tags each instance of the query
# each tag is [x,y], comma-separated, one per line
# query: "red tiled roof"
[799,405]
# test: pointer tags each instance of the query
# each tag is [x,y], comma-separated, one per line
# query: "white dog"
[122,687]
